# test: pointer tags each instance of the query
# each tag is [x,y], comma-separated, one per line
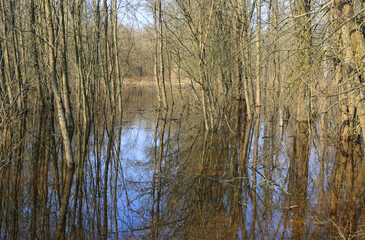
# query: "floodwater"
[157,175]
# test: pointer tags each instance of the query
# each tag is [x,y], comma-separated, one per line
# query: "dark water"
[167,178]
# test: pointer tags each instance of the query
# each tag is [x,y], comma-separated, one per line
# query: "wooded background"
[300,60]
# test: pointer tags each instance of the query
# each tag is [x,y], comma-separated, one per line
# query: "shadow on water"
[159,175]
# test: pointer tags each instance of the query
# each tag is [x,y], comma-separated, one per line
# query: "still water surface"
[169,179]
[210,186]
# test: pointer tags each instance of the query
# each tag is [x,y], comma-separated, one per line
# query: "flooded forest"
[181,119]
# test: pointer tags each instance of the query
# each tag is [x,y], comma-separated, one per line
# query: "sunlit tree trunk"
[65,78]
[119,83]
[353,61]
[302,10]
[245,14]
[61,225]
[161,55]
[156,53]
[97,73]
[258,114]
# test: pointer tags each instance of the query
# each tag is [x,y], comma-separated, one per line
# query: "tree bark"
[66,138]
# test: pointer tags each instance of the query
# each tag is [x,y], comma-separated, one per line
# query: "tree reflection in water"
[160,175]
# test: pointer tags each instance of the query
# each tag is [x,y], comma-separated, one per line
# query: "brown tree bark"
[61,225]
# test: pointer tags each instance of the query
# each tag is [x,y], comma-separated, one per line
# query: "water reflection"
[158,175]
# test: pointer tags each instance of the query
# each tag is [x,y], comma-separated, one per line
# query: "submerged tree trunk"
[300,164]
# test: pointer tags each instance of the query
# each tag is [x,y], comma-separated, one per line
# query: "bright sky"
[135,13]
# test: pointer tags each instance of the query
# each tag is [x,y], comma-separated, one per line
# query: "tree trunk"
[61,225]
